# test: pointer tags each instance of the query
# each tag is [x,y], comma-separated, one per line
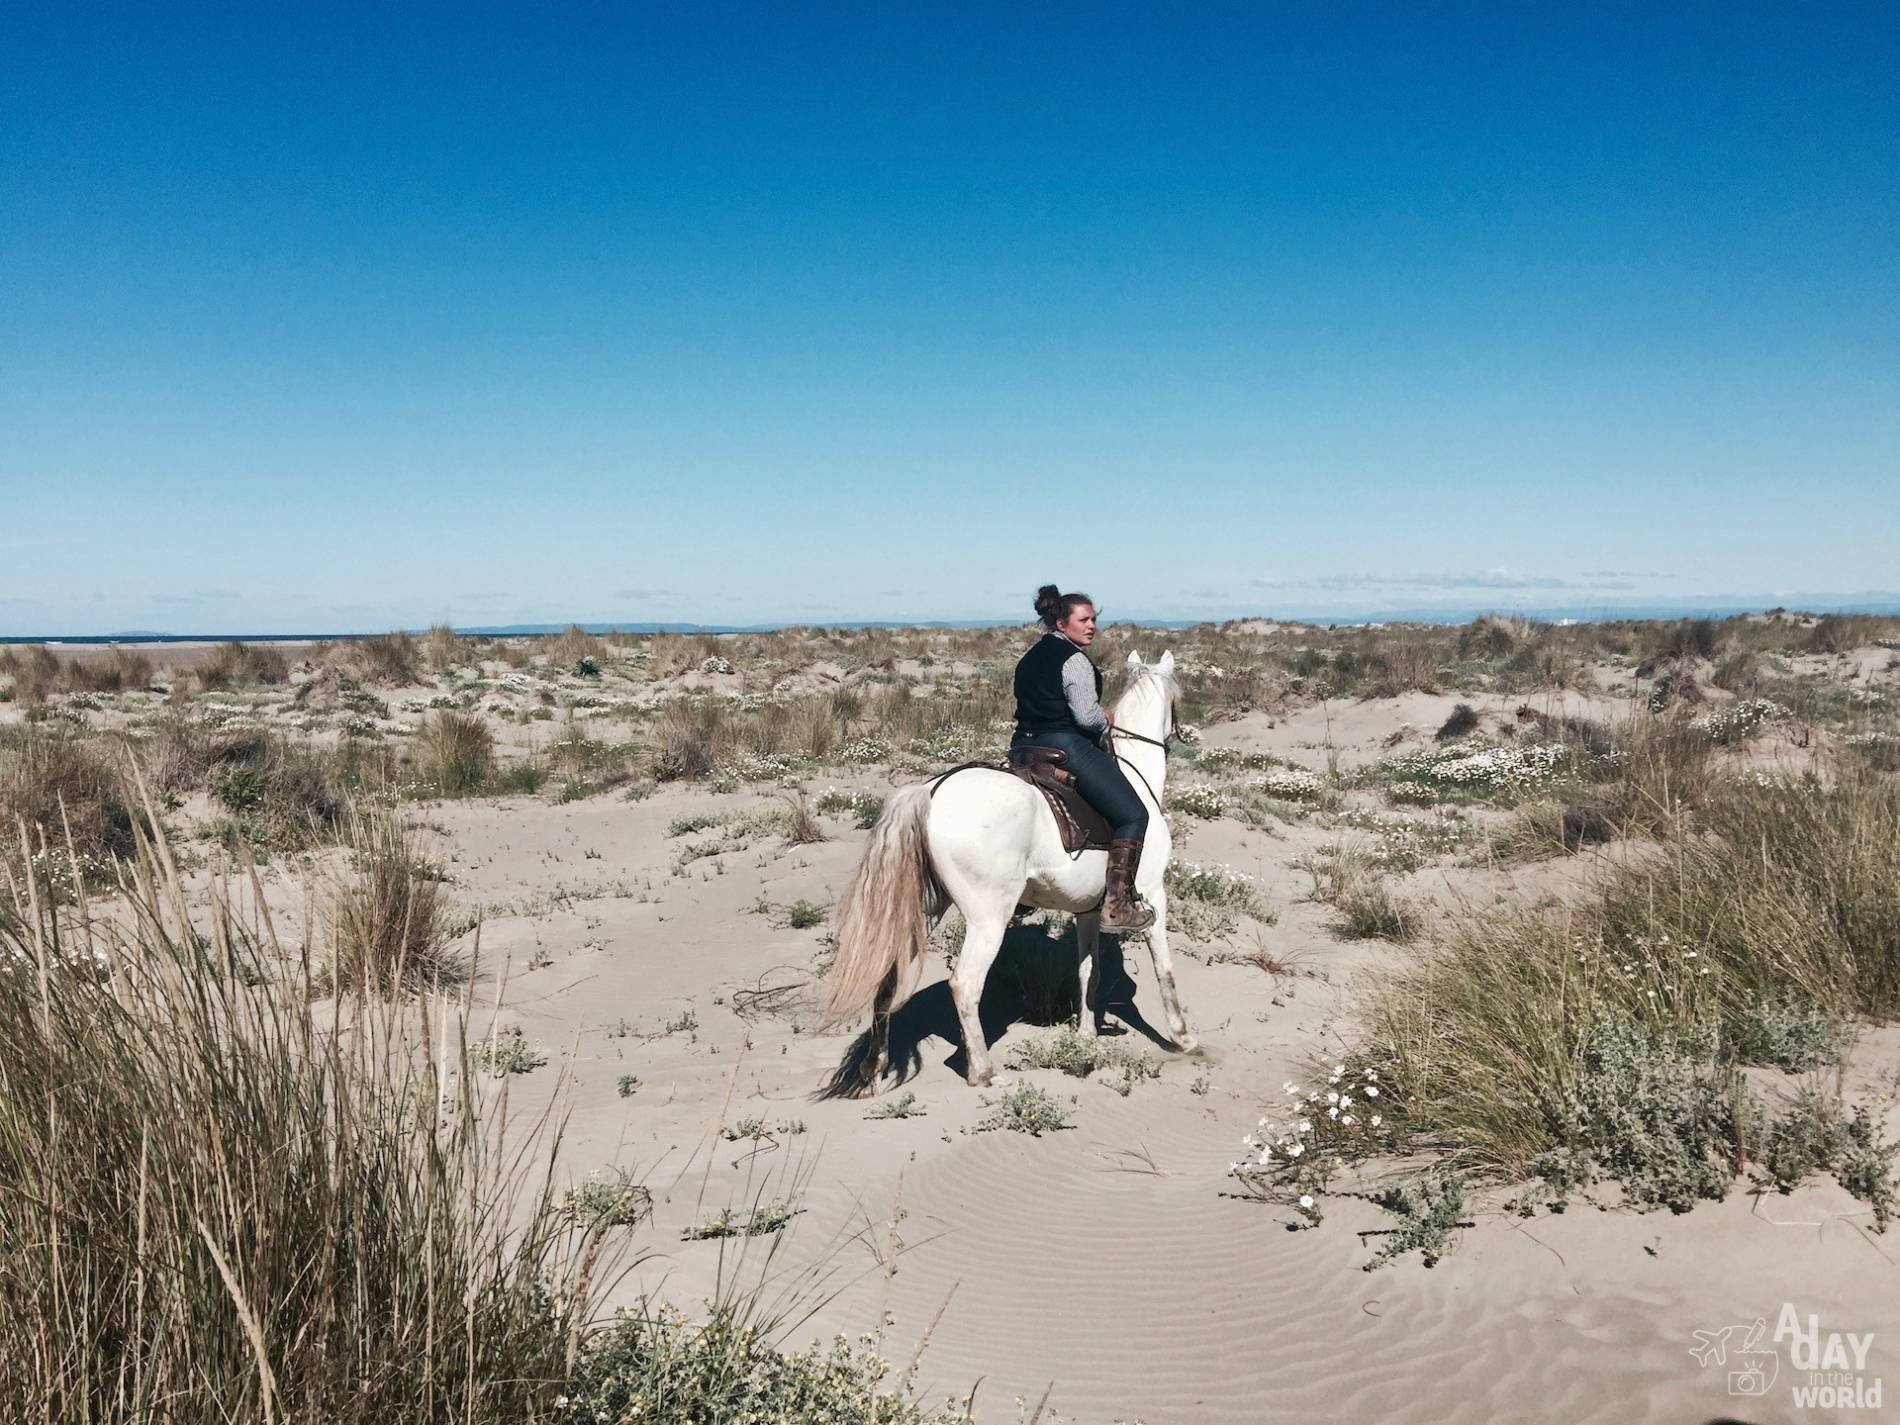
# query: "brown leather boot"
[1120,909]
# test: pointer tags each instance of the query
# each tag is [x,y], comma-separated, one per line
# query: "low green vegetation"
[1024,1108]
[1082,1055]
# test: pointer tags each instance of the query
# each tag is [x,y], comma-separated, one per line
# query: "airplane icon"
[1714,1345]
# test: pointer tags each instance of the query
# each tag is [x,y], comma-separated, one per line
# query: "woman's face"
[1079,626]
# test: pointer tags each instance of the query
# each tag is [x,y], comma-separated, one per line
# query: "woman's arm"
[1078,686]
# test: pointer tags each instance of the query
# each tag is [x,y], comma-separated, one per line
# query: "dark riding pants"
[1099,777]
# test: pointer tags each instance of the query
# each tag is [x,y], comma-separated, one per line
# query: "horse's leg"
[982,938]
[1164,973]
[1088,943]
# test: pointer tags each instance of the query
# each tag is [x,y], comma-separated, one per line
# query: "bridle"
[1161,742]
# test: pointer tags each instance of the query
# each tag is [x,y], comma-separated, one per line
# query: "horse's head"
[1156,683]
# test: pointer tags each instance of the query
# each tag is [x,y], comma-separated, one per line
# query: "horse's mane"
[1141,674]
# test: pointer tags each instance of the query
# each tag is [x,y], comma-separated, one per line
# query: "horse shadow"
[1034,981]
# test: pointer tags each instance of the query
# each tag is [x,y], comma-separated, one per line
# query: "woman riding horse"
[1059,704]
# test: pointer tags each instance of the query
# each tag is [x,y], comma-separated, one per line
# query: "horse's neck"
[1140,711]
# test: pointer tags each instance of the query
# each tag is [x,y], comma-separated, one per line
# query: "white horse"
[985,841]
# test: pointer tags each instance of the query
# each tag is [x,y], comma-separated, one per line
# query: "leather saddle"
[1083,828]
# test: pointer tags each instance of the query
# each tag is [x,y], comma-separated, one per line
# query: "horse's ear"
[1166,665]
[1134,659]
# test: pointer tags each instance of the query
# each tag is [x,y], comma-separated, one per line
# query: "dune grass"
[222,1205]
[1782,895]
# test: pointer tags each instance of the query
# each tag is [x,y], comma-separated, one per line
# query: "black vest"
[1041,704]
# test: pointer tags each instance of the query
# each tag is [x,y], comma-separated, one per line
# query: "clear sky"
[352,317]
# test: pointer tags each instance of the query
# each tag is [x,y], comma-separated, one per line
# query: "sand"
[1102,1264]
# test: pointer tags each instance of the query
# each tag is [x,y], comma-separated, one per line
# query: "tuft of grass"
[1369,911]
[389,919]
[803,915]
[154,1119]
[903,1106]
[71,800]
[442,649]
[236,664]
[391,659]
[457,752]
[802,827]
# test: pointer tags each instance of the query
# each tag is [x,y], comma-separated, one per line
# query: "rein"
[1162,743]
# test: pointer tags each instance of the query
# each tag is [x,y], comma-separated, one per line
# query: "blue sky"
[350,318]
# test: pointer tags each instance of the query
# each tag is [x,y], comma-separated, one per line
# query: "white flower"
[1372,1093]
[1306,1125]
[1306,1199]
[1371,1075]
[1345,1103]
[1376,1120]
[1332,1097]
[1332,1113]
[1347,1120]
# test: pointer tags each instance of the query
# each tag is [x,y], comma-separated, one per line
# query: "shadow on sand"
[1033,981]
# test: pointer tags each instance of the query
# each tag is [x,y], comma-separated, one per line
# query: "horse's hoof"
[982,1080]
[1188,1044]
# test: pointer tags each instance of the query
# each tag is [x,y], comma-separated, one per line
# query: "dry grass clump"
[282,795]
[1368,910]
[457,753]
[235,665]
[121,671]
[392,659]
[222,1207]
[389,919]
[33,673]
[442,649]
[572,645]
[1409,667]
[691,738]
[71,802]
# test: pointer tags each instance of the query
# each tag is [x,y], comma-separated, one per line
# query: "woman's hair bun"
[1048,602]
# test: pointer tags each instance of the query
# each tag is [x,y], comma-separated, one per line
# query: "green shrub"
[608,1200]
[757,1221]
[1428,1209]
[506,1052]
[1024,1108]
[1081,1055]
[803,915]
[654,1365]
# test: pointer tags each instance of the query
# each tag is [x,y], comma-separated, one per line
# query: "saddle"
[1082,827]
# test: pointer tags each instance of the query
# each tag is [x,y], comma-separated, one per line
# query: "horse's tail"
[883,924]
